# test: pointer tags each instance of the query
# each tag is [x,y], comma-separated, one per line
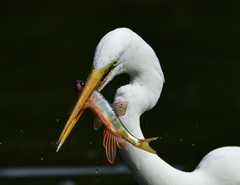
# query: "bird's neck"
[144,88]
[142,93]
[147,168]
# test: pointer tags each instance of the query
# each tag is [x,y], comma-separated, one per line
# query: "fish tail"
[144,144]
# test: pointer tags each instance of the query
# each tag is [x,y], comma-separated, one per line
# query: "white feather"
[137,58]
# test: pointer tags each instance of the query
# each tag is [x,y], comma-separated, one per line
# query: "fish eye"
[82,83]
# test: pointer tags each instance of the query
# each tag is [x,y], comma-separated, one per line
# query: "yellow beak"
[95,81]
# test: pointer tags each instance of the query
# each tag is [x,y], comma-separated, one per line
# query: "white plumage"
[137,58]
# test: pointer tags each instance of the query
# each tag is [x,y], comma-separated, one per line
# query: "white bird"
[123,51]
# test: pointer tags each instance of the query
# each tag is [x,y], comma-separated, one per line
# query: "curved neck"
[147,168]
[145,86]
[142,93]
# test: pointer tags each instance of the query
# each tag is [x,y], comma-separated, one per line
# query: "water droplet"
[192,144]
[0,143]
[181,140]
[96,171]
[90,142]
[57,120]
[21,131]
[42,158]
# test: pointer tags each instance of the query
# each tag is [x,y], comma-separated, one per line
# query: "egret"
[136,58]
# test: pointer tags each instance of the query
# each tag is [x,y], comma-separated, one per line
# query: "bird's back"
[223,164]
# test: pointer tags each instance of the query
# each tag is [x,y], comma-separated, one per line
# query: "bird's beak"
[95,81]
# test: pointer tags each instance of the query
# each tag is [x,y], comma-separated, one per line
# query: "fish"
[79,84]
[115,132]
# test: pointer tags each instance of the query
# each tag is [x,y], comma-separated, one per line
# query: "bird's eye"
[115,63]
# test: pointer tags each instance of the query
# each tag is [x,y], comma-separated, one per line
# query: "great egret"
[135,57]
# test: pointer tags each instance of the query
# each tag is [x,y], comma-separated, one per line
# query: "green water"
[45,46]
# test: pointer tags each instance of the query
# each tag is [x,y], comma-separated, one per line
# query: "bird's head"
[108,62]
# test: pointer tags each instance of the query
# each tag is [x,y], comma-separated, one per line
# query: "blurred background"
[46,45]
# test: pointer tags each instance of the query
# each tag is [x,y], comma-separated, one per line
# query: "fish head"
[79,84]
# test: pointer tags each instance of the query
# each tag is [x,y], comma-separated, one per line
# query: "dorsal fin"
[120,107]
[110,141]
[97,123]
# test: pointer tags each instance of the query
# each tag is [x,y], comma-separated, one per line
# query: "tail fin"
[144,144]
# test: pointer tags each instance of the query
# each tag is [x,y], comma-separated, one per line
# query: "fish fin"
[110,141]
[120,107]
[144,144]
[97,123]
[121,141]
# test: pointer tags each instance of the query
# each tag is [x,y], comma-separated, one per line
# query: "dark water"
[45,46]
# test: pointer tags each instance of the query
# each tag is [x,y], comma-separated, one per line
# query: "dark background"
[46,45]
